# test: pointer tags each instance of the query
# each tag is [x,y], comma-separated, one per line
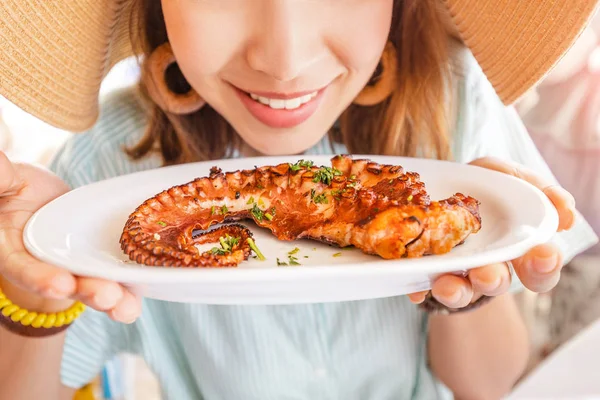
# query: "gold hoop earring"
[153,76]
[385,84]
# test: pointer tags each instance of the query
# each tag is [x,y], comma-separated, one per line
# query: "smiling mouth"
[278,110]
[287,104]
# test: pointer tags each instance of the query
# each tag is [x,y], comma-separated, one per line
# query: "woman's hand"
[538,270]
[31,283]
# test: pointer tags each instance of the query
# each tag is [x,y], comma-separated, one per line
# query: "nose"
[285,42]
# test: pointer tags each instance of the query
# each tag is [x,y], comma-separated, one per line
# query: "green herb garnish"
[161,223]
[224,209]
[213,210]
[293,260]
[255,249]
[301,164]
[257,212]
[292,252]
[337,254]
[320,198]
[326,174]
[250,200]
[218,251]
[269,216]
[227,244]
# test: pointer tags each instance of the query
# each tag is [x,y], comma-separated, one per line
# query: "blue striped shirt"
[374,349]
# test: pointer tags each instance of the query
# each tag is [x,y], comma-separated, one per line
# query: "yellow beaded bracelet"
[29,323]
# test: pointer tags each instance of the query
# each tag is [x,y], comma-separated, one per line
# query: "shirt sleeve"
[486,127]
[91,342]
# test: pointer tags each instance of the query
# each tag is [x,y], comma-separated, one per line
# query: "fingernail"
[60,286]
[570,219]
[53,294]
[489,286]
[456,299]
[107,298]
[126,317]
[542,264]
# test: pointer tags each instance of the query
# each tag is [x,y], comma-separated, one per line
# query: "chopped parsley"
[227,244]
[161,223]
[337,255]
[301,164]
[257,212]
[409,198]
[320,198]
[293,260]
[326,174]
[217,251]
[224,209]
[255,249]
[250,200]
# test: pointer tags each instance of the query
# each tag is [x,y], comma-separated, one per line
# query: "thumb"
[10,182]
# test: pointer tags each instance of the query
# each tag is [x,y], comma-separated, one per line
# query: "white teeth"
[293,103]
[288,104]
[277,104]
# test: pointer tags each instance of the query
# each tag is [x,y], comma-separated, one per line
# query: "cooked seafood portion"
[380,209]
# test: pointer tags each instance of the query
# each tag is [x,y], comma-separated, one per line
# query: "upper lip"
[280,95]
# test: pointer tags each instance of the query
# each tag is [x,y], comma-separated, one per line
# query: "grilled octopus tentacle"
[380,209]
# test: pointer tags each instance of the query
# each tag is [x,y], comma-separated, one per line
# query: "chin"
[281,145]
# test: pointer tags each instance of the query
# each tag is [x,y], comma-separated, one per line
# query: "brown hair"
[411,122]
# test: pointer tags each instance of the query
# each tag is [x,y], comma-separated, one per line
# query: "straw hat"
[54,54]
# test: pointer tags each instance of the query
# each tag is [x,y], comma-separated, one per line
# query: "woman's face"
[280,71]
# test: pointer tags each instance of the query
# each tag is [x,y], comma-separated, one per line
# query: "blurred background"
[563,117]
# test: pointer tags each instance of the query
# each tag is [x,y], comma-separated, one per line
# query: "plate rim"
[542,233]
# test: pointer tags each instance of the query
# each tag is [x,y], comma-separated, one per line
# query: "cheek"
[203,43]
[360,49]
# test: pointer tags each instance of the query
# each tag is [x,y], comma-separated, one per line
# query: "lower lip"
[281,118]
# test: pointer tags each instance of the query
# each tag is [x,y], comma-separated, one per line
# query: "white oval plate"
[80,231]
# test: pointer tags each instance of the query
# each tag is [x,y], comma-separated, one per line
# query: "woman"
[279,77]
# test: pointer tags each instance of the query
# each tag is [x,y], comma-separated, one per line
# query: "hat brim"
[55,54]
[517,42]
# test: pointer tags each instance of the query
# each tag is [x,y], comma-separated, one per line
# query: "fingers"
[491,280]
[452,291]
[456,291]
[539,269]
[563,201]
[418,297]
[35,276]
[109,297]
[128,309]
[9,180]
[513,169]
